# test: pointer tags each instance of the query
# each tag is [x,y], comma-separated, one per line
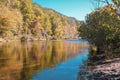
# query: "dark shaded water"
[44,60]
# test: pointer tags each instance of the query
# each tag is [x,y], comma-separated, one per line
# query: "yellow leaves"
[7,34]
[10,20]
[116,2]
[4,21]
[106,10]
[101,26]
[94,48]
[52,22]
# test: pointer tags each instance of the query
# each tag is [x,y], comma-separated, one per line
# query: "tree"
[116,4]
[102,28]
[47,24]
[27,19]
[10,24]
[28,13]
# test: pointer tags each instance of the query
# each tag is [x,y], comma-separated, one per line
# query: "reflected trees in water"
[22,60]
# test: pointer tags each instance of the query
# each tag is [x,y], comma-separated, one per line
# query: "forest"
[25,20]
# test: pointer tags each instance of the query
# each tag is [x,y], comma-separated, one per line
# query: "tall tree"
[102,28]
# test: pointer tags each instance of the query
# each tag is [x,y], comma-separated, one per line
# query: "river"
[43,60]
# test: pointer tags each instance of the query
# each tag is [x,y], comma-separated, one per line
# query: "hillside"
[25,20]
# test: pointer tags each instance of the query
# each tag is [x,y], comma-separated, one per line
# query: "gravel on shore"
[106,70]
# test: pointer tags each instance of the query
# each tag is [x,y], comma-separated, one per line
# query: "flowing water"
[43,60]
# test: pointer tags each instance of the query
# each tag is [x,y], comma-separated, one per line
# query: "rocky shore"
[106,70]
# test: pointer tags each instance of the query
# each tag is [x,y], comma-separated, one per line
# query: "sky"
[73,8]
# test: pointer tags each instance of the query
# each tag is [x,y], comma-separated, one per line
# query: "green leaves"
[102,27]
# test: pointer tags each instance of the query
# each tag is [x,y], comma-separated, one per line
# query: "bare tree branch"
[107,2]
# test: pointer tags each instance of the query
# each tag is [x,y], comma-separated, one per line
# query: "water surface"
[43,60]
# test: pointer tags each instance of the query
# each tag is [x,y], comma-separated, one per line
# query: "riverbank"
[2,40]
[106,70]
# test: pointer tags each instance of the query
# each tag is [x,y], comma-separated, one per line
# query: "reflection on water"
[37,60]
